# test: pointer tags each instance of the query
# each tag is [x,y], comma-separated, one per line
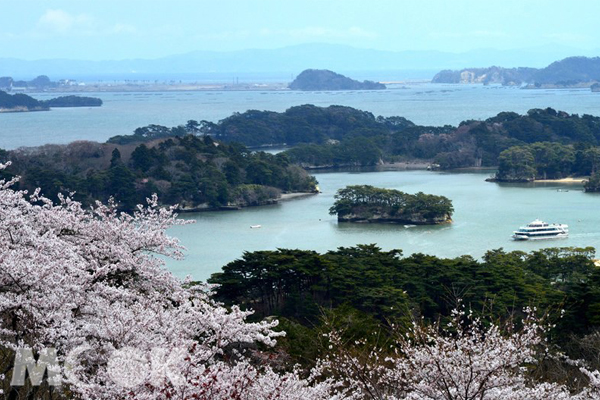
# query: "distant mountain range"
[285,62]
[571,71]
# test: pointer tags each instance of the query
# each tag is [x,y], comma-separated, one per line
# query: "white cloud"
[60,21]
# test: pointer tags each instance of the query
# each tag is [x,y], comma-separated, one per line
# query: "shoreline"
[569,179]
[297,195]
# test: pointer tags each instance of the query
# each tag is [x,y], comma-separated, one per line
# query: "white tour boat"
[541,230]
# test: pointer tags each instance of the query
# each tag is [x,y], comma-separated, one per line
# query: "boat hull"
[524,237]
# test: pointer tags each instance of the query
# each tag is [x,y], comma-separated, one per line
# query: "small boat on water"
[537,230]
[255,226]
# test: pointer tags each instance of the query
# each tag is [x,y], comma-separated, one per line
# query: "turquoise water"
[426,104]
[486,213]
[485,216]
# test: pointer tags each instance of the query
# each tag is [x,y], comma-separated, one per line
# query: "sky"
[125,29]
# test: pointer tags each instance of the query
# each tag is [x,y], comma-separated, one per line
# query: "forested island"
[323,79]
[196,173]
[569,72]
[364,203]
[22,102]
[541,144]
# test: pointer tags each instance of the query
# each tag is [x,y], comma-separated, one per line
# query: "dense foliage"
[191,171]
[368,203]
[365,289]
[323,79]
[20,101]
[28,103]
[546,160]
[593,183]
[384,284]
[73,101]
[343,136]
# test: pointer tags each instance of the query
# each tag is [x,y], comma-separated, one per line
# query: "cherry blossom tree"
[91,284]
[464,360]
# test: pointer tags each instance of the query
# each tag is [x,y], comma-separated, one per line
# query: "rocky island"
[365,203]
[323,79]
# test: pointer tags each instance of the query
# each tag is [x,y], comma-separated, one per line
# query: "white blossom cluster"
[463,361]
[88,284]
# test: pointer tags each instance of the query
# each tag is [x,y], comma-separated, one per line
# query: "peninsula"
[21,102]
[569,72]
[323,79]
[365,203]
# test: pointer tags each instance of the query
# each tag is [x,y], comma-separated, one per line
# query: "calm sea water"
[486,213]
[426,104]
[485,216]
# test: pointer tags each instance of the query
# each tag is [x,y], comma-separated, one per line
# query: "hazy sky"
[119,29]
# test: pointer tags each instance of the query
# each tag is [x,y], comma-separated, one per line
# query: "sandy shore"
[563,180]
[290,196]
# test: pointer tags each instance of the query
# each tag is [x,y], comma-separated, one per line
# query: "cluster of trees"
[73,101]
[191,171]
[546,160]
[593,183]
[23,101]
[88,312]
[323,79]
[368,203]
[299,124]
[152,132]
[373,297]
[343,136]
[20,101]
[338,136]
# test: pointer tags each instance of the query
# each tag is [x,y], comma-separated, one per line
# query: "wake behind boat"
[541,230]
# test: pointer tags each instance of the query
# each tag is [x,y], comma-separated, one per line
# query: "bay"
[424,104]
[485,216]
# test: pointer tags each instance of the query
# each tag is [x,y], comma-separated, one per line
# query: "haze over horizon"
[116,30]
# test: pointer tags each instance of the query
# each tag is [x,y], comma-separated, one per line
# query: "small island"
[365,203]
[73,101]
[21,102]
[323,79]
